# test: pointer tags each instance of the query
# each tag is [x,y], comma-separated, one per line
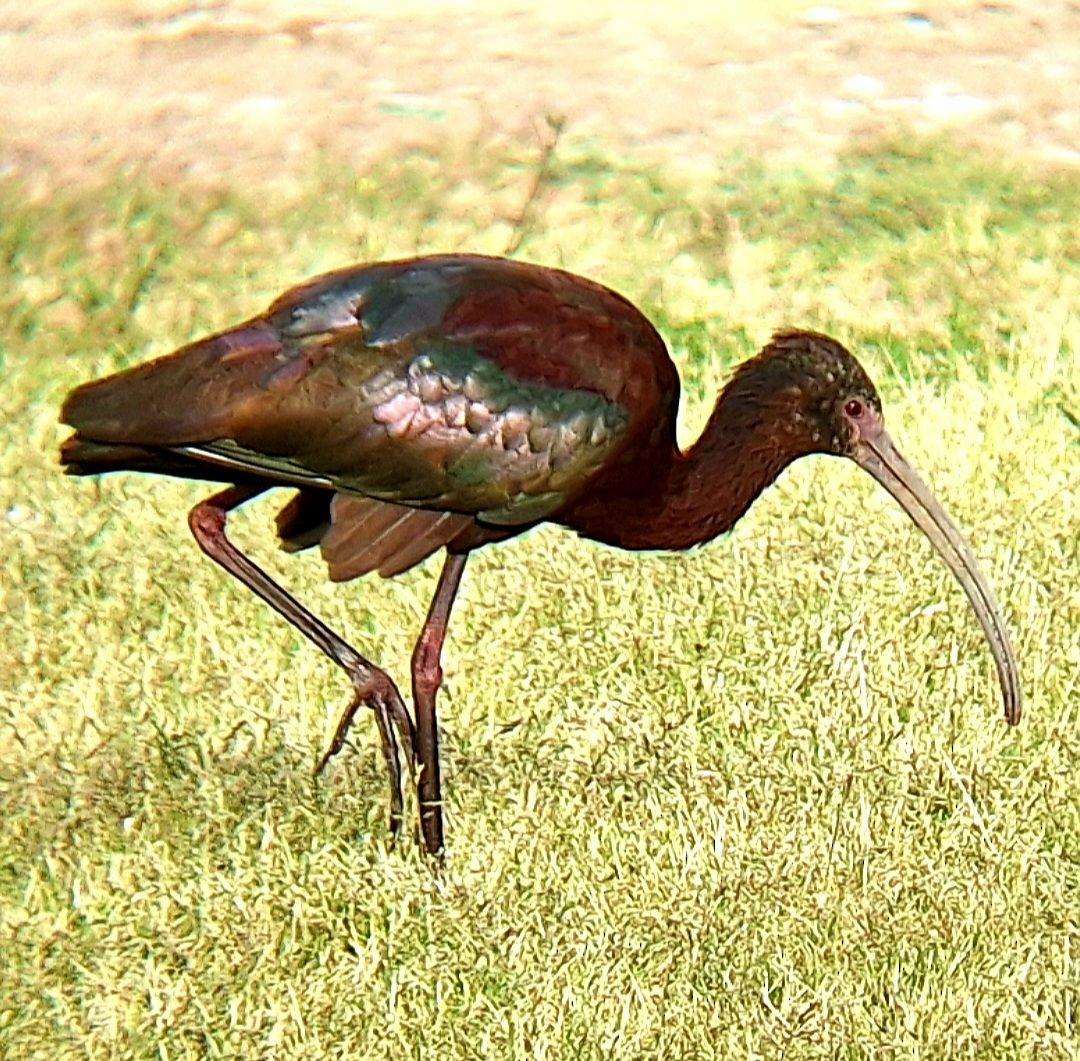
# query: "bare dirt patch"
[252,91]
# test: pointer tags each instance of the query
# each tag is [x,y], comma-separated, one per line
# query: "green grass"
[752,801]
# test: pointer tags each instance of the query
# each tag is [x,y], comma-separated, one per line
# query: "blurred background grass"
[749,801]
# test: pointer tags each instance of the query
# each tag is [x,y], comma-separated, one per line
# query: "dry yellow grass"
[753,801]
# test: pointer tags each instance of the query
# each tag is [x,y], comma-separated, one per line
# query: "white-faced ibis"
[453,401]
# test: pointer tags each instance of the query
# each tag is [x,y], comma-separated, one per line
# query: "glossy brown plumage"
[453,401]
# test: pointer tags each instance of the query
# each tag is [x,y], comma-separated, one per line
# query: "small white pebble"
[864,85]
[821,16]
[950,106]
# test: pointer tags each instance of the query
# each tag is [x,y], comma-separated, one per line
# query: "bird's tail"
[83,456]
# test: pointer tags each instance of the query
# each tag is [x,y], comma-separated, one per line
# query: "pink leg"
[372,686]
[426,679]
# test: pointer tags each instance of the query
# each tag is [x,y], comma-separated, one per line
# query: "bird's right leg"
[372,686]
[427,676]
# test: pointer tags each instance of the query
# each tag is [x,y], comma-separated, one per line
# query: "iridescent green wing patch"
[510,450]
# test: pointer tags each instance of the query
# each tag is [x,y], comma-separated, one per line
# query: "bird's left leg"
[372,686]
[426,678]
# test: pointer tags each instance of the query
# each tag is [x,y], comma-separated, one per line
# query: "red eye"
[854,408]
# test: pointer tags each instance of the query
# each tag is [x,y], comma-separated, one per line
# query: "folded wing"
[404,432]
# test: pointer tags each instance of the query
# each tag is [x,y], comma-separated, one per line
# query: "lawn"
[756,800]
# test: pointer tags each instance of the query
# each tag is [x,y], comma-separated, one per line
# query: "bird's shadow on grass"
[189,790]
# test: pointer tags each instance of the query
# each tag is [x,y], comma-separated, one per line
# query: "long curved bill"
[883,461]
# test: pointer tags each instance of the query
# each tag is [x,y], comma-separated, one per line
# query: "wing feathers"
[488,390]
[188,396]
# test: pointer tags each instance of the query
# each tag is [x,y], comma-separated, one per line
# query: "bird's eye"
[854,408]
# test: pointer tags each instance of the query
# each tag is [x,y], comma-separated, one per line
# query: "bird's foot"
[374,689]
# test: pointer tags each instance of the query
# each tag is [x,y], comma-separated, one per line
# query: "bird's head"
[810,395]
[805,393]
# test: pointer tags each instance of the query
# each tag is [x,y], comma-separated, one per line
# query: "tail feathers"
[81,456]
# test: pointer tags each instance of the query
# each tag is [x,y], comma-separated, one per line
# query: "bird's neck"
[690,497]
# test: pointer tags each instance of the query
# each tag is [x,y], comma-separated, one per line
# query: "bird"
[449,402]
